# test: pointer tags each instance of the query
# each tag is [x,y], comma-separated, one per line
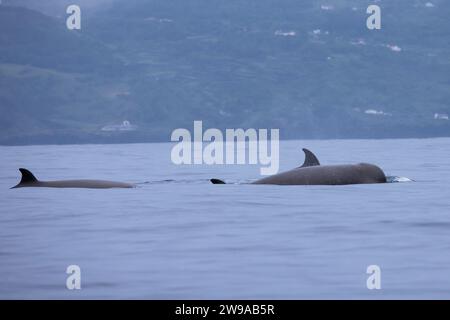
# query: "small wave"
[394,179]
[173,181]
[188,181]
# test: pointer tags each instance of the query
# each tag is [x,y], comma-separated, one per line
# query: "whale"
[311,172]
[29,180]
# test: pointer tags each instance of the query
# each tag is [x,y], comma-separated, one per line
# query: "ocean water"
[177,236]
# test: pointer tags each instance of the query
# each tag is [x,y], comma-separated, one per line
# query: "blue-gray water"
[191,239]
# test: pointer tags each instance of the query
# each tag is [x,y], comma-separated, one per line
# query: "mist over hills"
[310,68]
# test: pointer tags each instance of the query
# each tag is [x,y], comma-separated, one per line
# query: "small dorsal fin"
[310,159]
[27,176]
[217,181]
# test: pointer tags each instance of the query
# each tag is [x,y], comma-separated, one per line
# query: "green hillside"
[313,70]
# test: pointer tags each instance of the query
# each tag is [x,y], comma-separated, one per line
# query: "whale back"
[328,175]
[29,180]
[312,173]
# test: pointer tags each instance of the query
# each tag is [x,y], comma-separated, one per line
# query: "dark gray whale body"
[312,173]
[29,180]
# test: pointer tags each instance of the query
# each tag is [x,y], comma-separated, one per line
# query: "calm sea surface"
[178,236]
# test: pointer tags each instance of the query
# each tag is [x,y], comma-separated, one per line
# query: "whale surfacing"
[29,180]
[312,173]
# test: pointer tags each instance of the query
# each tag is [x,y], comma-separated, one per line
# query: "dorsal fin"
[310,159]
[27,176]
[217,181]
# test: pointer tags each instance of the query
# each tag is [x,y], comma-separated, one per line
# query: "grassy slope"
[214,61]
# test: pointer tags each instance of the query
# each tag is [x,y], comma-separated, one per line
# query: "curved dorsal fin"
[27,176]
[310,159]
[217,181]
